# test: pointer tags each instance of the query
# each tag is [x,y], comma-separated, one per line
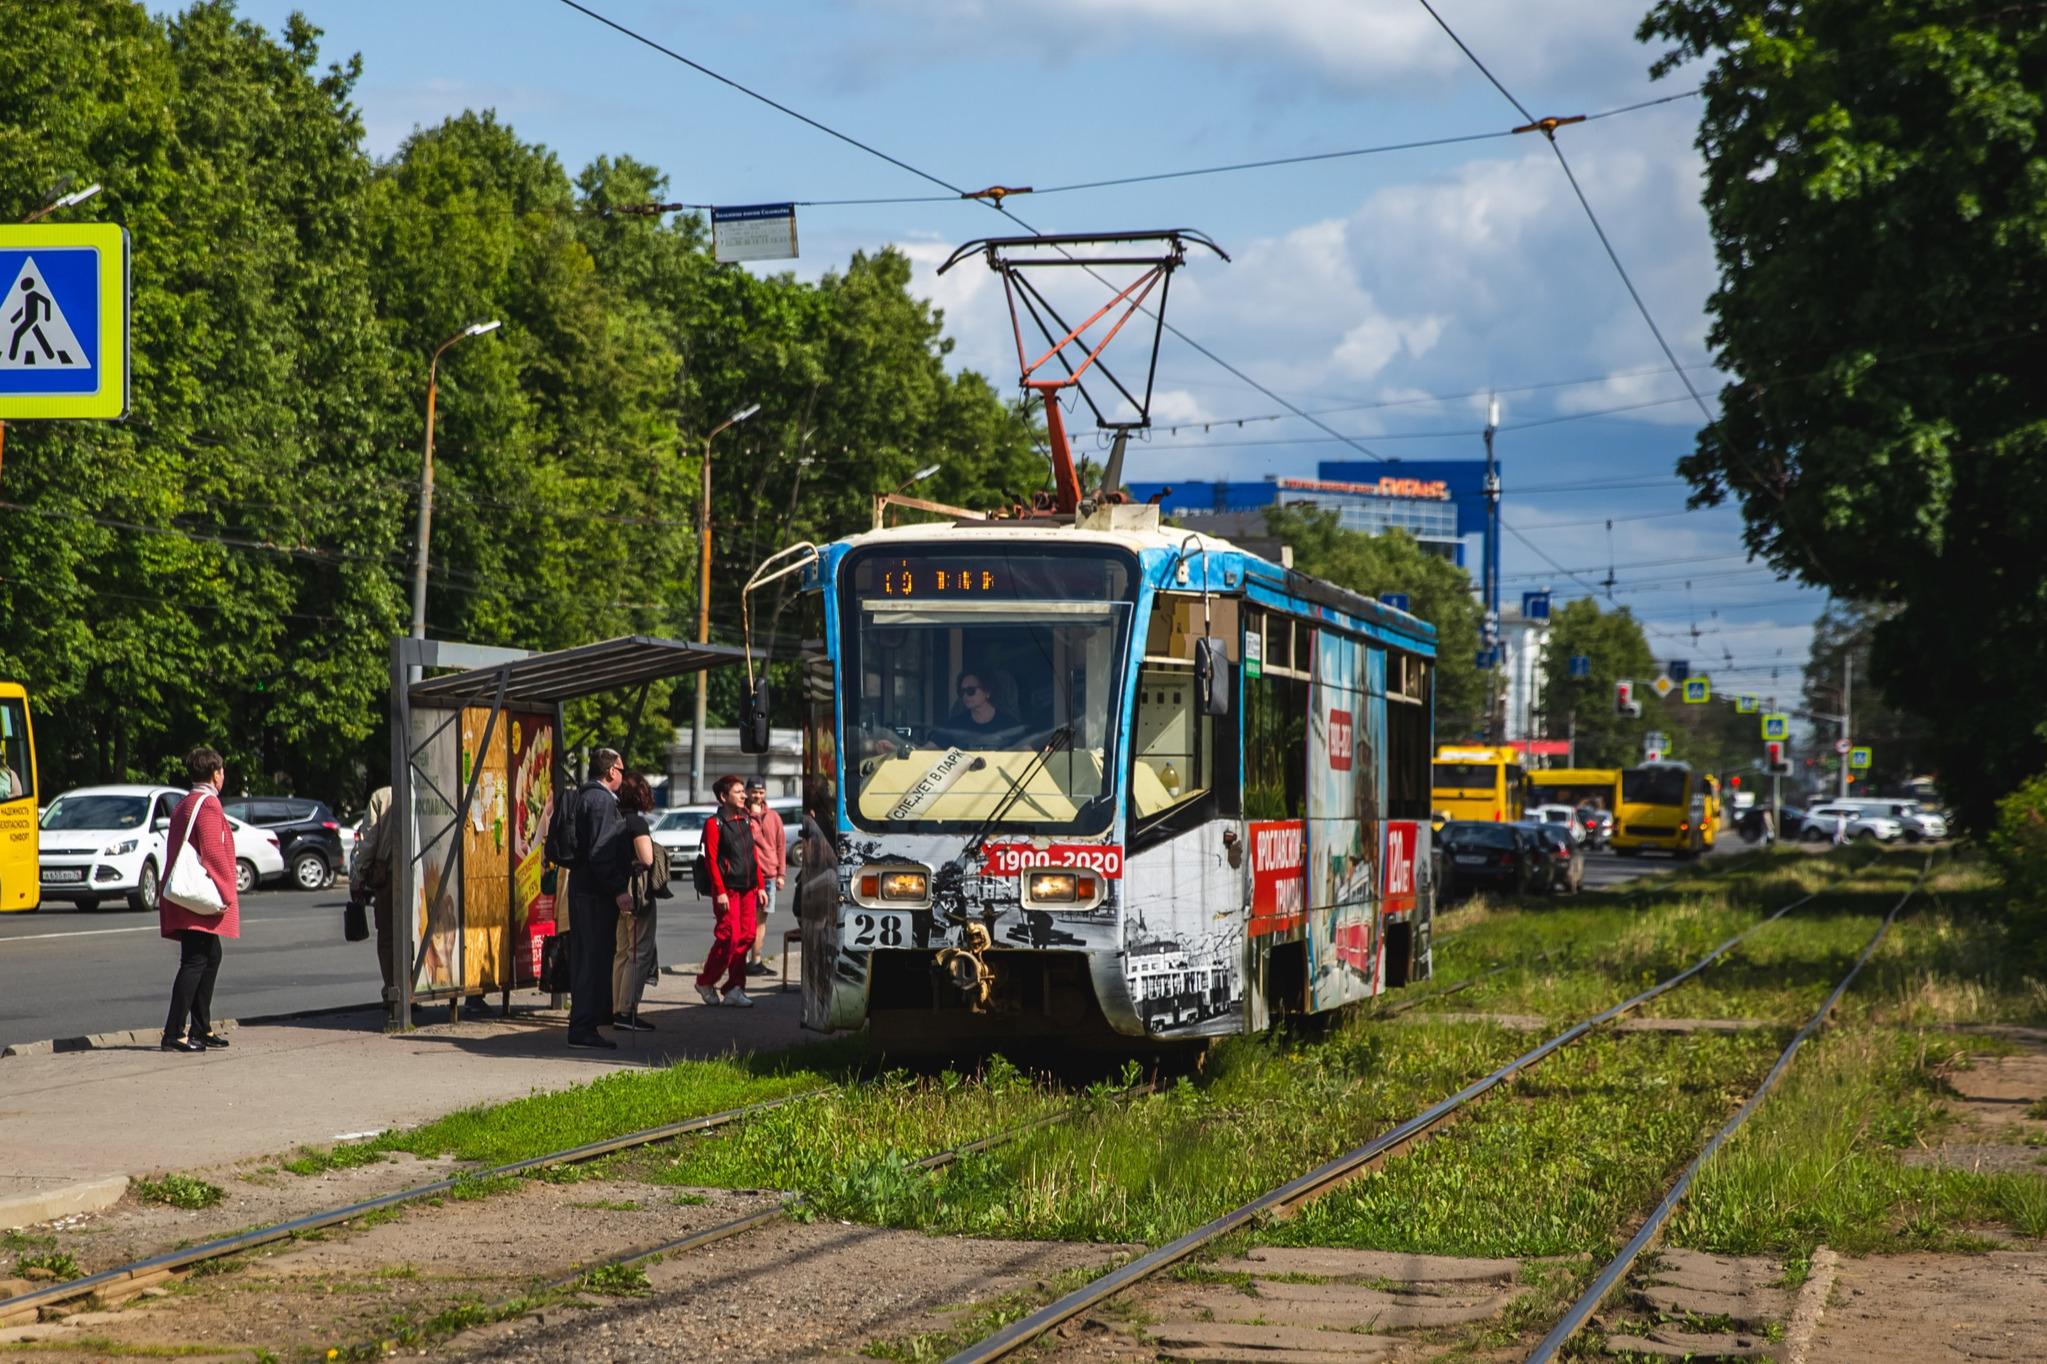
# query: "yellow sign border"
[110,402]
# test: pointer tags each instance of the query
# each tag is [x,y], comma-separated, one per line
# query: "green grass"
[611,1205]
[617,1281]
[1591,1133]
[179,1191]
[58,1262]
[314,1161]
[1819,1162]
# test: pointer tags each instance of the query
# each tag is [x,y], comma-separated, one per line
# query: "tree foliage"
[1900,742]
[1583,708]
[1438,591]
[230,565]
[1877,189]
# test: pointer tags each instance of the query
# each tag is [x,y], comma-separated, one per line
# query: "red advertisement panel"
[1009,859]
[1279,876]
[1340,740]
[1403,840]
[1353,944]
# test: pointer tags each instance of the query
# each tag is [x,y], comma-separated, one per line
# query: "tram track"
[1369,1156]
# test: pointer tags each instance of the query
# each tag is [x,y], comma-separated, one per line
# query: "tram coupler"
[967,970]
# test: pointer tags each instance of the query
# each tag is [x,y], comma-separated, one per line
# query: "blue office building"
[1439,502]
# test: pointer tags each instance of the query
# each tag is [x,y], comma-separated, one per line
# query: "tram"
[1073,775]
[1088,778]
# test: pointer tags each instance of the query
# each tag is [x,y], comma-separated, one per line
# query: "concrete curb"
[129,1037]
[24,1210]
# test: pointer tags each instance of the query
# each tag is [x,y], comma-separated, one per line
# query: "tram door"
[1278,652]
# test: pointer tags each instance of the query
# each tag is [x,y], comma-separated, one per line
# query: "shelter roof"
[563,674]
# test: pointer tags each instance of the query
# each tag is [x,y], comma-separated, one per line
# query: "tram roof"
[1138,539]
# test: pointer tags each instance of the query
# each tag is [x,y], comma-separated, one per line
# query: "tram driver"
[985,716]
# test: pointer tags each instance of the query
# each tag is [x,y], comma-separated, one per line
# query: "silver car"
[1820,821]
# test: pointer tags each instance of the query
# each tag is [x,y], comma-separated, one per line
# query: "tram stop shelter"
[478,755]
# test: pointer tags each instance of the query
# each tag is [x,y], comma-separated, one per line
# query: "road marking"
[99,932]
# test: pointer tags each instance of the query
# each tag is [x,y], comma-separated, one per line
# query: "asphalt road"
[66,972]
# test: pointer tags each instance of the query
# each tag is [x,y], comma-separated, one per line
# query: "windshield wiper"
[951,874]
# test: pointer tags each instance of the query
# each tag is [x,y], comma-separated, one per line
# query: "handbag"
[554,964]
[188,887]
[355,921]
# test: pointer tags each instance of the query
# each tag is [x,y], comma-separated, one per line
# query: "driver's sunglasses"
[971,690]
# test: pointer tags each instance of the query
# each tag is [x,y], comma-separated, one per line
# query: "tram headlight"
[1053,887]
[913,886]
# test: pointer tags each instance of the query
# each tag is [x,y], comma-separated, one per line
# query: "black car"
[1566,860]
[306,830]
[1498,856]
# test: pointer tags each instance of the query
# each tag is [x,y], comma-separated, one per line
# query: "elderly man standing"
[599,890]
[369,874]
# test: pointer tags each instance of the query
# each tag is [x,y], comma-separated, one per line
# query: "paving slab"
[73,1123]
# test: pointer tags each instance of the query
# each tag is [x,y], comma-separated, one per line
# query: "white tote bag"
[188,886]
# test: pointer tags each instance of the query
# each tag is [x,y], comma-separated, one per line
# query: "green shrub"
[2019,842]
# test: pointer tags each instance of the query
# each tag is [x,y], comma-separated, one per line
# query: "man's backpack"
[700,875]
[564,844]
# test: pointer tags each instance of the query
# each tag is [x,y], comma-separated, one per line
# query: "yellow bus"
[20,876]
[1477,782]
[1599,787]
[1662,807]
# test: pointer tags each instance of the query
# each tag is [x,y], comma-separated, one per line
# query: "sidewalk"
[75,1125]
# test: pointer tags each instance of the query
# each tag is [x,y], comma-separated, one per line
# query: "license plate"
[62,875]
[1470,860]
[879,928]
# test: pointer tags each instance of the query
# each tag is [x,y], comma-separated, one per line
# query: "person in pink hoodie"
[199,935]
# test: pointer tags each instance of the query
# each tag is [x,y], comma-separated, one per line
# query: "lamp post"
[426,474]
[881,503]
[696,735]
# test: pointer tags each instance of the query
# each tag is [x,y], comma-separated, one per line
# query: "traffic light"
[1774,761]
[1734,783]
[1624,702]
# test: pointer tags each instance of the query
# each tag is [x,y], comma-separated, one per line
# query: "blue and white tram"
[1095,781]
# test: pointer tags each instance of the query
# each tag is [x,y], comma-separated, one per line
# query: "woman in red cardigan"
[198,935]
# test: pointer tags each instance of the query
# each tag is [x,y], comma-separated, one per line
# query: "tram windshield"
[984,683]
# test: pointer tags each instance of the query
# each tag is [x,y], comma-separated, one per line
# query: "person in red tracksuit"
[199,935]
[733,862]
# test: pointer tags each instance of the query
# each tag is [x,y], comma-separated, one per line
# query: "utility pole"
[1847,715]
[696,734]
[1490,589]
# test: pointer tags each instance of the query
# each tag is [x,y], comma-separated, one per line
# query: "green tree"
[1582,708]
[209,569]
[1899,741]
[1878,199]
[1438,591]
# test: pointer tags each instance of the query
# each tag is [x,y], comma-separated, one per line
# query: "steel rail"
[761,1217]
[1341,1168]
[1616,1269]
[248,1240]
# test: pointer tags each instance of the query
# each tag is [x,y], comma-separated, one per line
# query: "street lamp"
[696,738]
[426,474]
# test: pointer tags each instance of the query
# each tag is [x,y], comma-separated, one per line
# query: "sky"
[1389,293]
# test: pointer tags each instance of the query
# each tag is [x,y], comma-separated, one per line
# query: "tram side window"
[1276,726]
[16,771]
[820,724]
[1408,749]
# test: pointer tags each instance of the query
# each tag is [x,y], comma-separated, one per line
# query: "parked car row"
[1878,819]
[1587,825]
[1533,857]
[107,843]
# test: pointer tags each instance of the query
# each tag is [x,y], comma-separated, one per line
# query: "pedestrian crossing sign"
[1745,704]
[1777,725]
[1698,690]
[64,320]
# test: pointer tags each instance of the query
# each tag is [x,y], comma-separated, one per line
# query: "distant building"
[1438,502]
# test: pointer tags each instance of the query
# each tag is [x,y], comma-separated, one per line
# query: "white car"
[1918,824]
[1819,824]
[681,830]
[1565,816]
[100,842]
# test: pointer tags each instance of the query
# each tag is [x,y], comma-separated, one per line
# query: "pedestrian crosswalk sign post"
[1745,704]
[1858,759]
[1776,725]
[64,320]
[1698,690]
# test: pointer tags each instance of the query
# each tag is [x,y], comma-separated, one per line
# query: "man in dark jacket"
[733,860]
[599,888]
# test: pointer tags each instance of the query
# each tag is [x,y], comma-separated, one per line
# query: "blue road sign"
[1678,670]
[63,320]
[1396,600]
[1535,606]
[1581,665]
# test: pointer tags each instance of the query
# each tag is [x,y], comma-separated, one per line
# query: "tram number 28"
[881,930]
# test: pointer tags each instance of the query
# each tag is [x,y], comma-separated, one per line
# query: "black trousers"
[192,991]
[593,938]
